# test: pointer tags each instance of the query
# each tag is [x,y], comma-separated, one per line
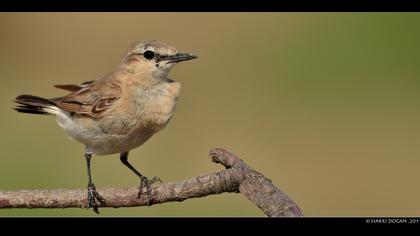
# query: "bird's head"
[153,58]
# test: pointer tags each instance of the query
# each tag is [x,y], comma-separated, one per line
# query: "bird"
[118,112]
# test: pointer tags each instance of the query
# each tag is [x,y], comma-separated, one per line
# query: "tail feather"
[34,105]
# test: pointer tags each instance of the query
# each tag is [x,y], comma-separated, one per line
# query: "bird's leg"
[144,182]
[93,195]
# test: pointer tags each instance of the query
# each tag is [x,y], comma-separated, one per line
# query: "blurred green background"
[324,104]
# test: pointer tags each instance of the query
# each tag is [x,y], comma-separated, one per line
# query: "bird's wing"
[91,98]
[73,87]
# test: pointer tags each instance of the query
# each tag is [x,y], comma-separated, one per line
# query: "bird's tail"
[35,105]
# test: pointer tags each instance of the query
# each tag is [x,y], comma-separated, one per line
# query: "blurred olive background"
[324,104]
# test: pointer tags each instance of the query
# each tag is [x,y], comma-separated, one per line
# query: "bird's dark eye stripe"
[157,57]
[160,57]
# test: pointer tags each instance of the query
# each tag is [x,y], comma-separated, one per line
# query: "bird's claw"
[94,198]
[144,182]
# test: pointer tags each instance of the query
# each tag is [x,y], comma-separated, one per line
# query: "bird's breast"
[156,106]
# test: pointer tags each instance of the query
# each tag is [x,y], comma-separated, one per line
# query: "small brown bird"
[119,111]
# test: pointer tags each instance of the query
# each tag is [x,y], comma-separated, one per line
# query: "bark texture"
[237,177]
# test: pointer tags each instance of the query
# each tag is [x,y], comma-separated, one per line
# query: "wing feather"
[73,87]
[91,98]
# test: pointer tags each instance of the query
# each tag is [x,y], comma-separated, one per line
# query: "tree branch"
[238,177]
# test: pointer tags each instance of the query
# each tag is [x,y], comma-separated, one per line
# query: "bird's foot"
[94,198]
[144,182]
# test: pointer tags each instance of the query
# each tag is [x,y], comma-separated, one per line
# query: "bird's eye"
[148,54]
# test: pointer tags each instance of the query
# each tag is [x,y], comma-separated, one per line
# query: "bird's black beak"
[180,57]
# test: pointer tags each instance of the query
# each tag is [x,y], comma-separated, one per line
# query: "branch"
[238,177]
